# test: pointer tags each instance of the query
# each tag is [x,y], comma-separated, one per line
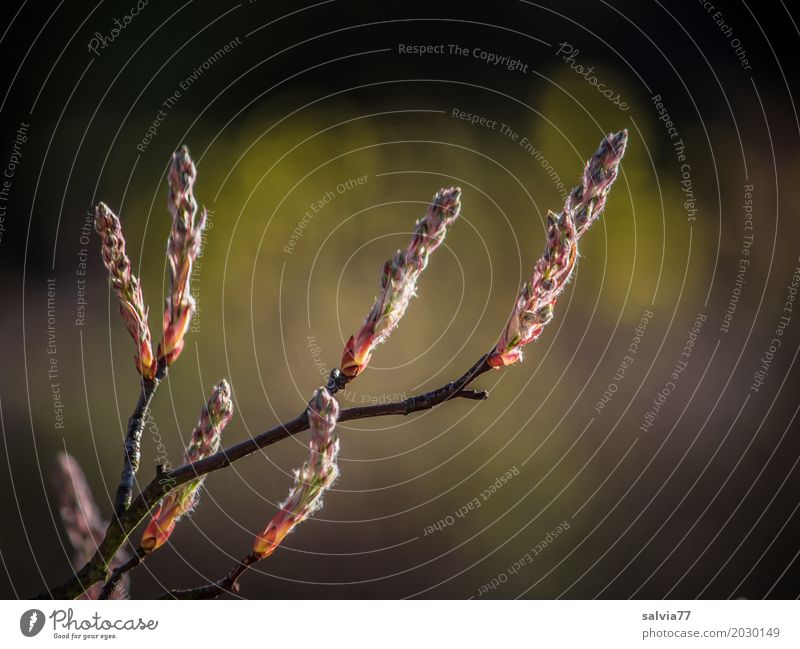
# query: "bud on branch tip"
[533,308]
[204,442]
[126,286]
[311,481]
[399,281]
[183,247]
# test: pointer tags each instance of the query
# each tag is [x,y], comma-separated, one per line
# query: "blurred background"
[323,110]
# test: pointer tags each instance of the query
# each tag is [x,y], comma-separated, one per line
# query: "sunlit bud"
[533,308]
[183,247]
[311,481]
[126,286]
[204,442]
[398,282]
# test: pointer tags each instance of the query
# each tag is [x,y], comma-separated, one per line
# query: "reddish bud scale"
[533,308]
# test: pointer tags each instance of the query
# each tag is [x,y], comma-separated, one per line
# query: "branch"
[96,569]
[228,584]
[533,309]
[133,441]
[119,573]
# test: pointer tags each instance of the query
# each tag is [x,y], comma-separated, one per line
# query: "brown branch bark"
[119,572]
[457,388]
[133,441]
[96,569]
[228,584]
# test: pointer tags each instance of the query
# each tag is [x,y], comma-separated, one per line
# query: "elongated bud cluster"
[183,248]
[82,521]
[204,442]
[77,507]
[126,286]
[533,308]
[399,281]
[317,474]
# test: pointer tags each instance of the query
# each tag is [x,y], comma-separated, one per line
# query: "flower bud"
[183,249]
[204,442]
[126,286]
[533,308]
[312,480]
[399,281]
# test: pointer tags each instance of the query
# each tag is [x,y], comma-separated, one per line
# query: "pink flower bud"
[204,442]
[533,308]
[313,479]
[399,281]
[126,286]
[183,248]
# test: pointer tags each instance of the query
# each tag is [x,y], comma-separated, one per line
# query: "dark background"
[702,504]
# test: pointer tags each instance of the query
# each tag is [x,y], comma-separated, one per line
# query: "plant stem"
[119,573]
[228,584]
[425,401]
[96,569]
[133,441]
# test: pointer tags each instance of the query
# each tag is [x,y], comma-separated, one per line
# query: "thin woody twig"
[96,569]
[428,400]
[408,406]
[133,441]
[228,584]
[119,572]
